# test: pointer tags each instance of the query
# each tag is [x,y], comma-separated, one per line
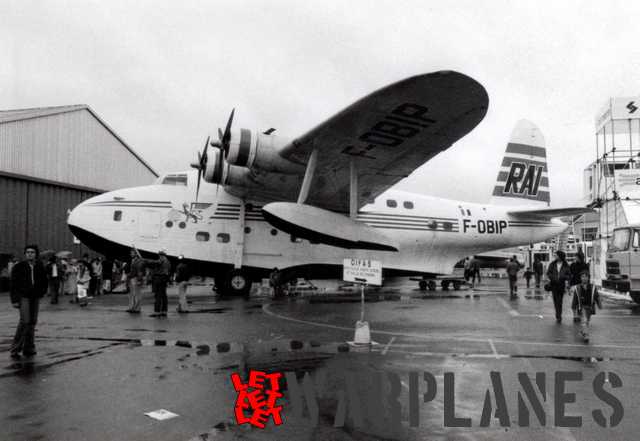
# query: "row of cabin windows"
[203,236]
[391,203]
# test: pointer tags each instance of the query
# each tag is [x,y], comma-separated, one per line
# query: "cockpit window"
[620,240]
[175,180]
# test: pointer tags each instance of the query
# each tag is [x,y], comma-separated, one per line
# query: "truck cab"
[623,261]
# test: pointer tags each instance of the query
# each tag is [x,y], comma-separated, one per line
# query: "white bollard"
[363,334]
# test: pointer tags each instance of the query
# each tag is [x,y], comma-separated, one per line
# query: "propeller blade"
[227,130]
[203,160]
[198,187]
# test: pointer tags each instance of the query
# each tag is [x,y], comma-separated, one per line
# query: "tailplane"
[523,175]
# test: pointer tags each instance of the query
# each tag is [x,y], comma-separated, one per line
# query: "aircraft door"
[149,224]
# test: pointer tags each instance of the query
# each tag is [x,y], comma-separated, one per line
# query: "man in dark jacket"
[28,285]
[54,276]
[537,270]
[161,269]
[559,276]
[512,272]
[577,268]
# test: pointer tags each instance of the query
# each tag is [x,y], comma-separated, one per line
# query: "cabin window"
[468,212]
[247,230]
[448,226]
[248,207]
[408,205]
[432,224]
[636,239]
[117,215]
[175,180]
[274,231]
[461,210]
[182,225]
[391,203]
[223,238]
[295,239]
[202,236]
[168,224]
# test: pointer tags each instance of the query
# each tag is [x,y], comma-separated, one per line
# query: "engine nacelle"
[259,151]
[220,172]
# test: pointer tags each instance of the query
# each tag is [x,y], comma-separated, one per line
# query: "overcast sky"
[163,75]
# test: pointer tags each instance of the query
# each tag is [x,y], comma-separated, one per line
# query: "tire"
[456,285]
[423,285]
[445,285]
[431,285]
[238,283]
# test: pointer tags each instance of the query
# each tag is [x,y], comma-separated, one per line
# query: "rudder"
[523,175]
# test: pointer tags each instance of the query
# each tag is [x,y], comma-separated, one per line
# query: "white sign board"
[628,183]
[362,271]
[620,108]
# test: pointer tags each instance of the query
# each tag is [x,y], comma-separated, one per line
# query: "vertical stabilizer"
[523,176]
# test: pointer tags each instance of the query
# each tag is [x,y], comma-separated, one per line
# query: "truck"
[623,262]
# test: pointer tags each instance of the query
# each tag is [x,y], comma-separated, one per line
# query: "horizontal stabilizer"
[549,213]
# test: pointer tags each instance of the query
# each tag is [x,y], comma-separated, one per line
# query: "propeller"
[201,165]
[222,144]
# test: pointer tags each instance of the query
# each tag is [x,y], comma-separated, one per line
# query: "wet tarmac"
[99,369]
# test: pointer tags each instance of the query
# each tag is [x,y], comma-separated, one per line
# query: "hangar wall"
[37,213]
[51,159]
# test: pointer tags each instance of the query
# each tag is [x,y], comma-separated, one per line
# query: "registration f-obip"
[363,272]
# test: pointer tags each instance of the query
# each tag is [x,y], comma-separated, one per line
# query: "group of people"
[160,270]
[562,279]
[31,279]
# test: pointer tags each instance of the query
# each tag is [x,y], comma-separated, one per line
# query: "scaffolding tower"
[612,181]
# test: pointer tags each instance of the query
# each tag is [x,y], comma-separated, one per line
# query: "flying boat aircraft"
[305,204]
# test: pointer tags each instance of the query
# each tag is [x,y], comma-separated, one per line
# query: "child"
[84,278]
[585,299]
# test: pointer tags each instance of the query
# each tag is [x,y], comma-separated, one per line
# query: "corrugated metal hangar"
[51,159]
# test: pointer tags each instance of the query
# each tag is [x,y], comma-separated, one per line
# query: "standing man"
[135,277]
[559,276]
[275,280]
[53,279]
[159,279]
[467,268]
[578,267]
[512,272]
[537,270]
[28,285]
[475,266]
[182,279]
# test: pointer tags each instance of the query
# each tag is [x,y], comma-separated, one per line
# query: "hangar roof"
[37,112]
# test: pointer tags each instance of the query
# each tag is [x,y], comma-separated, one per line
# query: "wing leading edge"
[388,133]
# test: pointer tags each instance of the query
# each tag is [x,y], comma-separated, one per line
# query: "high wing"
[389,133]
[549,213]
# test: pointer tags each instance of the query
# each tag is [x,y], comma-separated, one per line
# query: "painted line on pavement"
[388,345]
[512,312]
[493,348]
[266,310]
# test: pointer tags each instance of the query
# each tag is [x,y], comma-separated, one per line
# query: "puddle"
[145,330]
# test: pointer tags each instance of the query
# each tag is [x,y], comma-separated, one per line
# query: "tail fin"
[523,178]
